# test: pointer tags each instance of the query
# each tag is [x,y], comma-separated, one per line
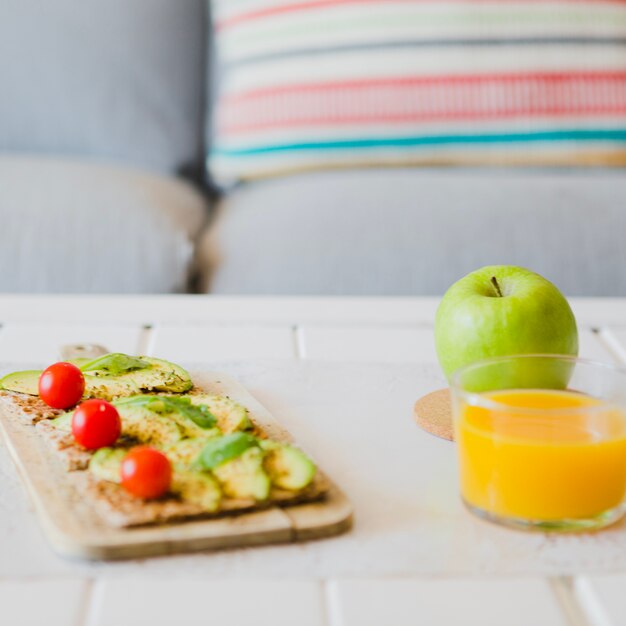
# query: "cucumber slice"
[149,428]
[199,488]
[63,422]
[244,477]
[191,430]
[185,453]
[230,415]
[26,381]
[288,467]
[105,464]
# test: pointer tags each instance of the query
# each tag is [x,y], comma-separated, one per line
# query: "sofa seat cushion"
[407,232]
[80,227]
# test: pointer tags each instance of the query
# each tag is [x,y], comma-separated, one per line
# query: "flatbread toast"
[113,504]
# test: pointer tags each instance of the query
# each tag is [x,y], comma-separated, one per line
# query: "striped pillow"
[341,83]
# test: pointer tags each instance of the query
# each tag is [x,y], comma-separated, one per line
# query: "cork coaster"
[433,413]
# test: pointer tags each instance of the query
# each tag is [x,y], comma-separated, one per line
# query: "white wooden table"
[342,375]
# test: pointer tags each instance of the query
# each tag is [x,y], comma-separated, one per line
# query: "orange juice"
[565,464]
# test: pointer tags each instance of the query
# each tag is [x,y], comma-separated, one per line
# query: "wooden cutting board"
[75,530]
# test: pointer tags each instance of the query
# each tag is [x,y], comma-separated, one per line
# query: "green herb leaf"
[115,363]
[222,449]
[199,414]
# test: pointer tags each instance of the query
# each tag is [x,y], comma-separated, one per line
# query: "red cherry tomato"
[146,473]
[96,424]
[61,385]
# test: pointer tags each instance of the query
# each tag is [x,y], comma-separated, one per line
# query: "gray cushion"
[410,232]
[116,79]
[74,227]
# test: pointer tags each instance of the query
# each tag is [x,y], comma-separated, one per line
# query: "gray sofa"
[102,139]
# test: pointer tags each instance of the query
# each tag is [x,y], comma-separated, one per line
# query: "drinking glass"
[541,441]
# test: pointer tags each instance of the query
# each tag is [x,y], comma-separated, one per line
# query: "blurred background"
[321,147]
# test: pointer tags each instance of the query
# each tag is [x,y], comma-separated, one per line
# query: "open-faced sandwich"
[145,446]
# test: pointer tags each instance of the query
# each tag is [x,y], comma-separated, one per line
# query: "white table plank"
[591,345]
[375,344]
[407,602]
[40,342]
[401,345]
[599,312]
[194,602]
[615,340]
[205,309]
[211,343]
[602,599]
[49,602]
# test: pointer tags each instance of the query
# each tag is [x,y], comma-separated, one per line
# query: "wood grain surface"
[75,530]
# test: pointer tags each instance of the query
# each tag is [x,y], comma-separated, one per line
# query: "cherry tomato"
[61,385]
[96,424]
[146,473]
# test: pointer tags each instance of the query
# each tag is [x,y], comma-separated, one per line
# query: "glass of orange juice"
[542,441]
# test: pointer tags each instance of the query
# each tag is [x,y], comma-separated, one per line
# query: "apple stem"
[494,282]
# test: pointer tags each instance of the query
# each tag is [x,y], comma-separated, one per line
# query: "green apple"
[502,310]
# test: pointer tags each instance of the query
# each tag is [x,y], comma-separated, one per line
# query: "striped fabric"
[309,84]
